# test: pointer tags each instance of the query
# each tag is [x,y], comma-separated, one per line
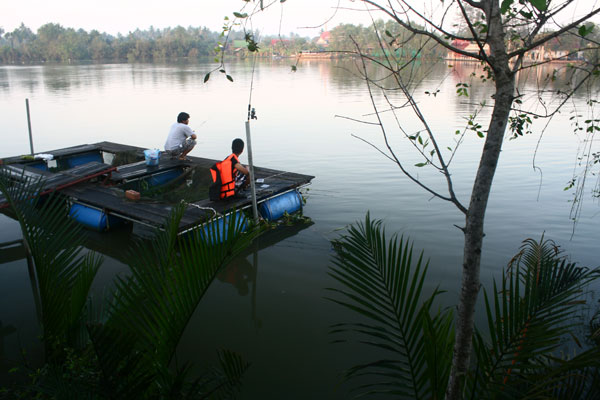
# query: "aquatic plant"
[531,323]
[63,273]
[126,351]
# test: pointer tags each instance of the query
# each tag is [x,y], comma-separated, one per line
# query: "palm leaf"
[383,284]
[528,316]
[168,279]
[54,242]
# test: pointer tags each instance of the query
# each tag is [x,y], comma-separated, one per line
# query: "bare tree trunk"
[473,231]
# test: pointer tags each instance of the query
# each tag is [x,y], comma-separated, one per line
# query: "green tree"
[502,34]
[502,63]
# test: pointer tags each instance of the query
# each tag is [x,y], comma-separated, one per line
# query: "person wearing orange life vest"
[229,175]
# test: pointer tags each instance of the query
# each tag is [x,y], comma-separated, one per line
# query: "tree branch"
[551,36]
[424,32]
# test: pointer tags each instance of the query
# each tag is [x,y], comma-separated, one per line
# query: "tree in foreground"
[501,36]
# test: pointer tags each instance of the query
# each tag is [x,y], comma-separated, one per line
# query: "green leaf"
[206,77]
[382,283]
[240,15]
[526,14]
[229,78]
[480,134]
[421,164]
[586,30]
[541,5]
[505,6]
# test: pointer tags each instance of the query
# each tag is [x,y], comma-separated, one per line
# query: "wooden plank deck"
[56,181]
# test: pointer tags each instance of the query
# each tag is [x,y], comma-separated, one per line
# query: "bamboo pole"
[29,126]
[251,168]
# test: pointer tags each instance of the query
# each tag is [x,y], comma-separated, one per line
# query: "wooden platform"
[107,194]
[55,181]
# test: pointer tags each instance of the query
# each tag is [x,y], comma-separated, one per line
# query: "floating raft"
[101,173]
[56,181]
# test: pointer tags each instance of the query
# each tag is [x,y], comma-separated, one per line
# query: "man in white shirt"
[181,139]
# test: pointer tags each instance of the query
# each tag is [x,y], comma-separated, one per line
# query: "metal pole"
[29,126]
[251,167]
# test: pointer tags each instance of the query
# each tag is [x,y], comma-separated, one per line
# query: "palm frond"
[64,276]
[383,284]
[528,315]
[168,279]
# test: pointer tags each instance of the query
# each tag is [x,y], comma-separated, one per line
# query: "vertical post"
[251,167]
[29,126]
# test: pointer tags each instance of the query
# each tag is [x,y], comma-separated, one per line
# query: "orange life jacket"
[225,172]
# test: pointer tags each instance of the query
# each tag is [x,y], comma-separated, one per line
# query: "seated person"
[181,139]
[229,176]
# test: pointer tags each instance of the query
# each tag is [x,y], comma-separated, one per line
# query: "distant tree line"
[55,43]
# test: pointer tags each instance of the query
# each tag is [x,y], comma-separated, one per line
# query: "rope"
[215,213]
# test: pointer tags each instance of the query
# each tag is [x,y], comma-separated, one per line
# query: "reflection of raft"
[97,198]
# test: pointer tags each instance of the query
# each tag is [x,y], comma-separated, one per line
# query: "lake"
[270,305]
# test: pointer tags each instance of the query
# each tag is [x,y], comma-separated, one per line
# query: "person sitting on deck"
[229,176]
[181,139]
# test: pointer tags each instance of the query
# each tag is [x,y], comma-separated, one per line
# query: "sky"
[123,16]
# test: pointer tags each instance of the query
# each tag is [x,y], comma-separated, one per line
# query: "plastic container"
[84,158]
[218,229]
[152,157]
[93,218]
[274,208]
[165,177]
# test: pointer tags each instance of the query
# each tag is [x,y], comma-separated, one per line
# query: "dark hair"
[237,146]
[182,117]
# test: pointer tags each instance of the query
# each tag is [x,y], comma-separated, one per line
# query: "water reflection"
[297,129]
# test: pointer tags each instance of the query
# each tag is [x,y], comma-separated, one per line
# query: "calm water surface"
[269,304]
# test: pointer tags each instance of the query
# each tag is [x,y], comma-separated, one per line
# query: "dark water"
[269,305]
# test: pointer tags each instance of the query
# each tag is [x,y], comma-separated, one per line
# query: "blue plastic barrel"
[274,208]
[93,218]
[164,177]
[39,165]
[222,224]
[80,159]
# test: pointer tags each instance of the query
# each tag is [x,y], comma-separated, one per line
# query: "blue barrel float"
[220,226]
[275,207]
[93,218]
[164,177]
[83,158]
